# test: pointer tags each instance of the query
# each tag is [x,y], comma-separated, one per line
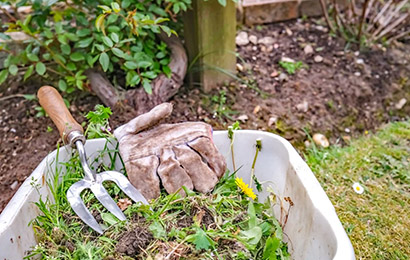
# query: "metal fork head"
[94,181]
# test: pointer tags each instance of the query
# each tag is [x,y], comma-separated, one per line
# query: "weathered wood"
[163,88]
[209,32]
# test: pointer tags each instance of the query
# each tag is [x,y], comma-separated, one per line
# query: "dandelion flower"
[245,189]
[358,188]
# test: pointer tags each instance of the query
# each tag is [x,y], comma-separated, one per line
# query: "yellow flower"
[244,187]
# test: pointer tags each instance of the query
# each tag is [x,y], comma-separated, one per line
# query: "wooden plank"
[209,31]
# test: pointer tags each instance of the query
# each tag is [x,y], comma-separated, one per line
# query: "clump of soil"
[132,241]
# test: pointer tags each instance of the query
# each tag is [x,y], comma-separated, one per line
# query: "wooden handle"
[53,104]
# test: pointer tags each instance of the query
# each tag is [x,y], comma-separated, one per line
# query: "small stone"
[242,39]
[270,48]
[272,120]
[253,39]
[307,144]
[263,48]
[318,58]
[257,109]
[346,138]
[14,185]
[347,130]
[254,58]
[288,31]
[13,130]
[286,59]
[360,61]
[239,67]
[357,74]
[266,41]
[308,49]
[243,118]
[283,77]
[401,103]
[303,107]
[356,53]
[274,74]
[321,140]
[339,53]
[254,48]
[275,46]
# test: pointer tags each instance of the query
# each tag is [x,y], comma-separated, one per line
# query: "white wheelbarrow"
[312,230]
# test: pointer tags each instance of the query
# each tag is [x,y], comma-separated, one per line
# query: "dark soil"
[346,94]
[133,240]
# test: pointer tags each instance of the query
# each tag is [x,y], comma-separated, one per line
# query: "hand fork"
[72,133]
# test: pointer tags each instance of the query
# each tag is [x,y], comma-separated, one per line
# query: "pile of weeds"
[225,224]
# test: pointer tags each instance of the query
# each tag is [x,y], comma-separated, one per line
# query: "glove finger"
[144,121]
[203,178]
[172,175]
[151,141]
[142,173]
[207,149]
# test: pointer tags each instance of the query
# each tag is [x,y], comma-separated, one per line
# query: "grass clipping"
[225,224]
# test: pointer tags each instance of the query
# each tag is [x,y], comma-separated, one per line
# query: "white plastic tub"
[313,229]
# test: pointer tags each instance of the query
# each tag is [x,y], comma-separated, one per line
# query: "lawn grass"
[377,221]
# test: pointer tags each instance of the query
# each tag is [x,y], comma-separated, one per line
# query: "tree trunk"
[163,88]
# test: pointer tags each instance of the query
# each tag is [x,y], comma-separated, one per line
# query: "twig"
[359,35]
[8,14]
[13,96]
[398,36]
[324,10]
[392,26]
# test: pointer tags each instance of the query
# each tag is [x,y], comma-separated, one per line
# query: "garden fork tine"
[72,133]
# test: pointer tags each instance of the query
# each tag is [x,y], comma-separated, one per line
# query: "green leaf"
[77,56]
[167,71]
[104,61]
[40,68]
[149,74]
[66,49]
[115,37]
[222,2]
[116,7]
[107,41]
[157,230]
[83,32]
[71,66]
[62,85]
[109,218]
[30,96]
[201,240]
[48,33]
[131,65]
[28,73]
[117,52]
[125,3]
[85,42]
[62,38]
[105,8]
[91,60]
[4,36]
[144,64]
[147,86]
[13,70]
[269,252]
[3,76]
[32,57]
[252,215]
[252,236]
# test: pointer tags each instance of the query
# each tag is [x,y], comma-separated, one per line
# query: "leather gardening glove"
[174,155]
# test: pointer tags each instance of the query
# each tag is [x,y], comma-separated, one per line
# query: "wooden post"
[210,30]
